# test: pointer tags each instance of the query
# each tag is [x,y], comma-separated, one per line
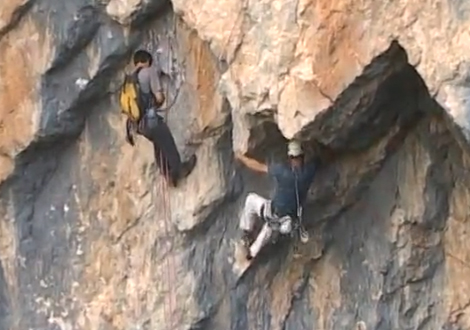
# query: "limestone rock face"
[91,238]
[294,58]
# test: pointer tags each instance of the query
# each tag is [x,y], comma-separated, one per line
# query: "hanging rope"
[169,307]
[164,166]
[166,306]
[171,53]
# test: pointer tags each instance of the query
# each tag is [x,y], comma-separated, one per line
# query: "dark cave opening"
[367,125]
[267,142]
[377,110]
[364,139]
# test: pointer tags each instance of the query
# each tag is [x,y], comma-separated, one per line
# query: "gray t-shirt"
[149,80]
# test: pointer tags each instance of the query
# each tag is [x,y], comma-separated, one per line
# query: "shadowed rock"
[91,238]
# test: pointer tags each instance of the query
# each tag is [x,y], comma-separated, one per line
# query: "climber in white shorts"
[293,181]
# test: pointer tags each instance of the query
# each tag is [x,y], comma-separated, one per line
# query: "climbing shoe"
[246,241]
[172,181]
[188,166]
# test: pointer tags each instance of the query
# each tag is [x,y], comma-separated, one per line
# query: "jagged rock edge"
[79,34]
[394,58]
[150,10]
[16,17]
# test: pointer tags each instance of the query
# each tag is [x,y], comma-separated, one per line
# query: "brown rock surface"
[91,239]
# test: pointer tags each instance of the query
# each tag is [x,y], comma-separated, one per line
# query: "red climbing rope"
[166,209]
[166,307]
[170,62]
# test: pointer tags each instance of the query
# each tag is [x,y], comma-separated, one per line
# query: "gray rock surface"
[91,239]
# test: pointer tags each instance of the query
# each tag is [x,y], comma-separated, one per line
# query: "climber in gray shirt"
[149,81]
[152,126]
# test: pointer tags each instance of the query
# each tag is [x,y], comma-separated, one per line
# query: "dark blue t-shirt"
[284,200]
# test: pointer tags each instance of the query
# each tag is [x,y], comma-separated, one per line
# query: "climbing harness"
[276,223]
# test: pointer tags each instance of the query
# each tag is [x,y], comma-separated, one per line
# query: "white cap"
[294,149]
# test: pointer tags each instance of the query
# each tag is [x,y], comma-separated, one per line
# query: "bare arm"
[156,86]
[252,164]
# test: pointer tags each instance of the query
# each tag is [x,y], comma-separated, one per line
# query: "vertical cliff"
[90,238]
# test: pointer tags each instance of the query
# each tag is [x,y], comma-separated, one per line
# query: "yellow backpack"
[130,97]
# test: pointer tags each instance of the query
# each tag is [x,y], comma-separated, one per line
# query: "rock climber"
[283,211]
[152,125]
